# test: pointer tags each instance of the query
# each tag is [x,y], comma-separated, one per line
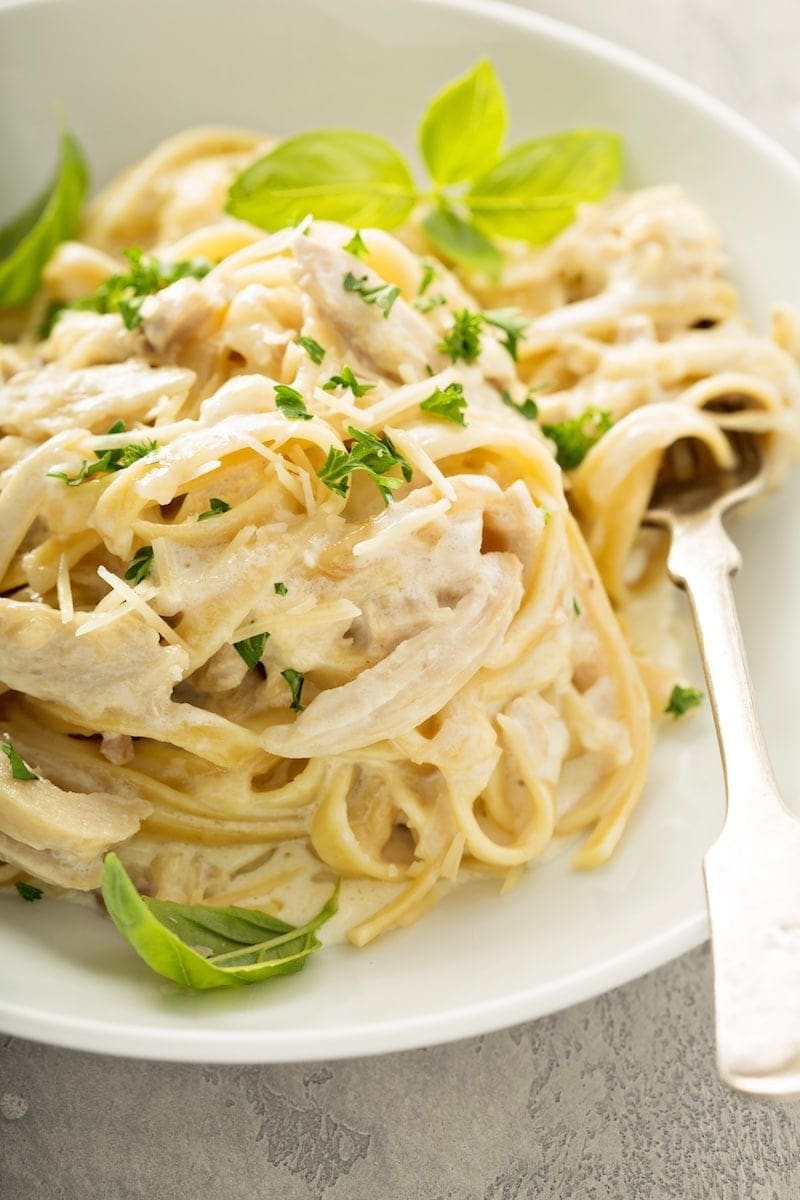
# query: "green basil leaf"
[336,174]
[27,242]
[461,242]
[532,193]
[239,945]
[462,131]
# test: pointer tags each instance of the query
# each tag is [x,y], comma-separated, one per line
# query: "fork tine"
[691,480]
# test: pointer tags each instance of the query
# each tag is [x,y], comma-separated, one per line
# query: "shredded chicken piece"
[126,678]
[51,399]
[61,836]
[400,345]
[380,704]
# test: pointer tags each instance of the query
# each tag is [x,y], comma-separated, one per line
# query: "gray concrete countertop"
[612,1100]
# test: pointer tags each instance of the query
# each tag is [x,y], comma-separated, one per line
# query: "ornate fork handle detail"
[753,870]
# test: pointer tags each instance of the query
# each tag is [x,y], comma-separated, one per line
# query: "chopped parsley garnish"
[576,608]
[291,403]
[575,437]
[215,508]
[27,890]
[125,292]
[295,680]
[527,408]
[280,589]
[463,339]
[108,461]
[383,295]
[19,770]
[131,453]
[347,380]
[251,649]
[369,453]
[448,403]
[428,276]
[426,303]
[140,566]
[682,699]
[356,245]
[312,348]
[512,323]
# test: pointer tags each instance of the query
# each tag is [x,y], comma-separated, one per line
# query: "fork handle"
[752,871]
[702,560]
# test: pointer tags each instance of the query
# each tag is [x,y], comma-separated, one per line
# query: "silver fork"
[752,871]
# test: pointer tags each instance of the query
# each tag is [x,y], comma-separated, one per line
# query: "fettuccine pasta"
[329,606]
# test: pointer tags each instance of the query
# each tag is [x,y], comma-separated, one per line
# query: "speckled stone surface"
[612,1100]
[615,1099]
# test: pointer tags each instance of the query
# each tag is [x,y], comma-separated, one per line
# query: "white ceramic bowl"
[127,74]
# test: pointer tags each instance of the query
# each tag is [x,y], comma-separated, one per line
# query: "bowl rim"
[253,1046]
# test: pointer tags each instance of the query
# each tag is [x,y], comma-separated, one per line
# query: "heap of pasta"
[291,589]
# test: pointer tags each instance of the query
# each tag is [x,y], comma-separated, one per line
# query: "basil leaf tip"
[462,130]
[27,242]
[460,241]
